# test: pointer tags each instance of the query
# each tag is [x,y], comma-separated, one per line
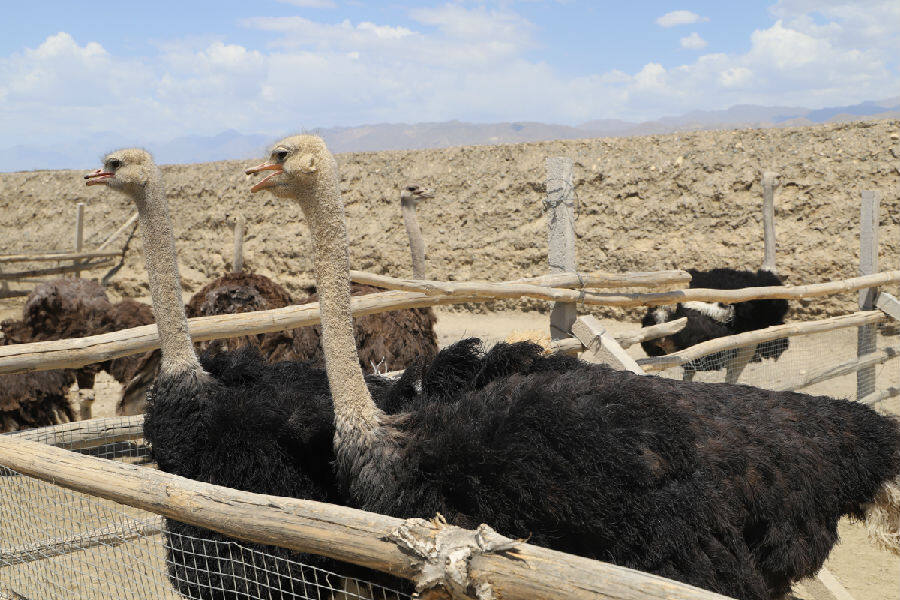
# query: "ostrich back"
[35,400]
[67,308]
[731,488]
[387,341]
[239,293]
[58,309]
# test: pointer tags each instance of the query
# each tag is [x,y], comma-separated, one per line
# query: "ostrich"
[240,292]
[35,400]
[707,321]
[730,488]
[410,197]
[387,341]
[710,320]
[233,420]
[67,308]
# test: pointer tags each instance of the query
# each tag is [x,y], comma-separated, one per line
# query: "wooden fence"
[364,538]
[517,570]
[80,259]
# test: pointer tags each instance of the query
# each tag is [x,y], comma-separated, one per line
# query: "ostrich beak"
[426,193]
[267,181]
[98,177]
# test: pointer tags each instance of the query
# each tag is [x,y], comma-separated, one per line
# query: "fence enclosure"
[83,509]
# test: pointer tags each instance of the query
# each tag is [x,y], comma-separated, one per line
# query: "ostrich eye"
[114,163]
[411,188]
[280,155]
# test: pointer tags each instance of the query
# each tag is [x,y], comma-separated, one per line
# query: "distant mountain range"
[400,136]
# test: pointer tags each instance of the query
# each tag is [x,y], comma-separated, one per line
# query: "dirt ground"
[644,203]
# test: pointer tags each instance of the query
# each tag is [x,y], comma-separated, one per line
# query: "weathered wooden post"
[736,365]
[79,233]
[560,208]
[237,261]
[769,183]
[868,264]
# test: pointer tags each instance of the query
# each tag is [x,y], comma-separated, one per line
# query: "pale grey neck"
[325,215]
[165,285]
[416,243]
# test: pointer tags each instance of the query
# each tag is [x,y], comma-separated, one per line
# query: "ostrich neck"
[325,214]
[165,286]
[365,450]
[416,243]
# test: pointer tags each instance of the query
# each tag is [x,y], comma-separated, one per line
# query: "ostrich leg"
[736,365]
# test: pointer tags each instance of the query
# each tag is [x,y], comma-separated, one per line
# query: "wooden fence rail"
[77,352]
[592,279]
[485,290]
[758,336]
[84,434]
[9,258]
[338,532]
[77,268]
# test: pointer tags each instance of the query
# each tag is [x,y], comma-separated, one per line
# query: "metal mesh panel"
[59,544]
[804,363]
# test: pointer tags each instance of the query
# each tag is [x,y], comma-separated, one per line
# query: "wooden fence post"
[79,233]
[868,264]
[769,183]
[603,348]
[559,205]
[237,261]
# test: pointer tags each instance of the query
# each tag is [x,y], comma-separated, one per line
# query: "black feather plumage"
[748,316]
[731,488]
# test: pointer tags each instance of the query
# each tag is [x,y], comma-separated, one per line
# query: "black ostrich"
[235,419]
[730,488]
[710,320]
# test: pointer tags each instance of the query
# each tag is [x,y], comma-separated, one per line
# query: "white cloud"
[466,61]
[735,77]
[680,17]
[693,42]
[310,3]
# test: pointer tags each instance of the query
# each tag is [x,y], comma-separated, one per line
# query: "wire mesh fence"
[804,363]
[60,544]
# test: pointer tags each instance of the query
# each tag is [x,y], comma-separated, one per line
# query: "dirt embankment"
[656,202]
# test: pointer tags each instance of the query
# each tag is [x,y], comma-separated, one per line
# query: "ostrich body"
[731,488]
[35,400]
[710,320]
[241,292]
[70,308]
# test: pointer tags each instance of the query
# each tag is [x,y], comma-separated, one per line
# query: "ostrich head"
[126,170]
[412,194]
[297,163]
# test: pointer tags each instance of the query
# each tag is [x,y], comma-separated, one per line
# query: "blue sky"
[162,69]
